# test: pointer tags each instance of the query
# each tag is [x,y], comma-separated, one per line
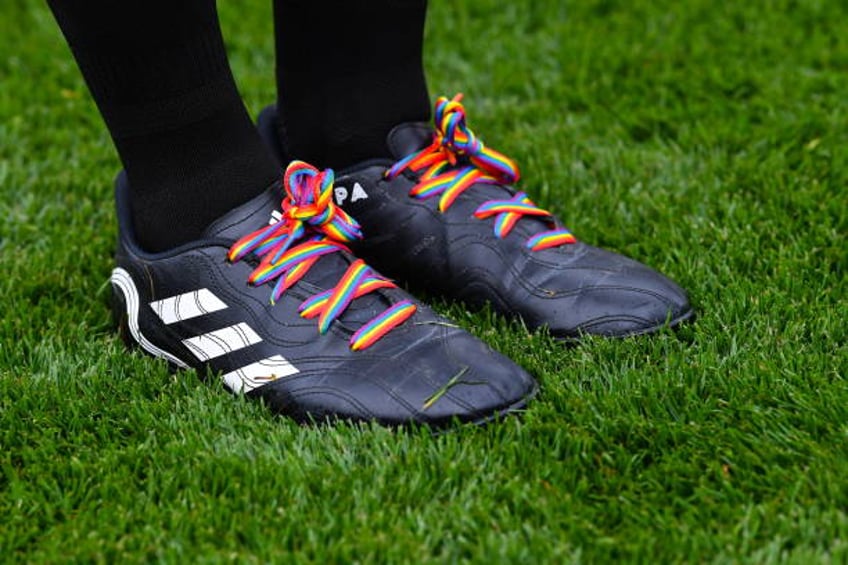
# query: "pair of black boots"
[277,298]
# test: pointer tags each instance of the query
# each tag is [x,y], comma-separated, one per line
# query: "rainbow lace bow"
[457,159]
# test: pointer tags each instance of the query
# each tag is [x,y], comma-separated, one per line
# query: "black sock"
[159,74]
[347,73]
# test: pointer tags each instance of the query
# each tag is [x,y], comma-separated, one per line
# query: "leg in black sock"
[159,74]
[347,72]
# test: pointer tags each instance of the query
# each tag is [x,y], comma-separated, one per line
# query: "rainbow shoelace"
[313,226]
[457,159]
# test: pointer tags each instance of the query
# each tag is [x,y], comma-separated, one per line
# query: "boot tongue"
[249,217]
[263,210]
[407,138]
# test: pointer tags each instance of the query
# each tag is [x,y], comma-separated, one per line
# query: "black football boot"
[271,300]
[445,218]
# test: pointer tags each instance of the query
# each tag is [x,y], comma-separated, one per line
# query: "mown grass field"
[709,140]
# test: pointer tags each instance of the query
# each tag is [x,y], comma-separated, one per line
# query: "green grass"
[706,139]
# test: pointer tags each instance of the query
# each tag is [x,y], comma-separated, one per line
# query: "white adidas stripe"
[257,374]
[186,306]
[220,342]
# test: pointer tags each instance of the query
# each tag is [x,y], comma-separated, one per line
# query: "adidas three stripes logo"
[207,346]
